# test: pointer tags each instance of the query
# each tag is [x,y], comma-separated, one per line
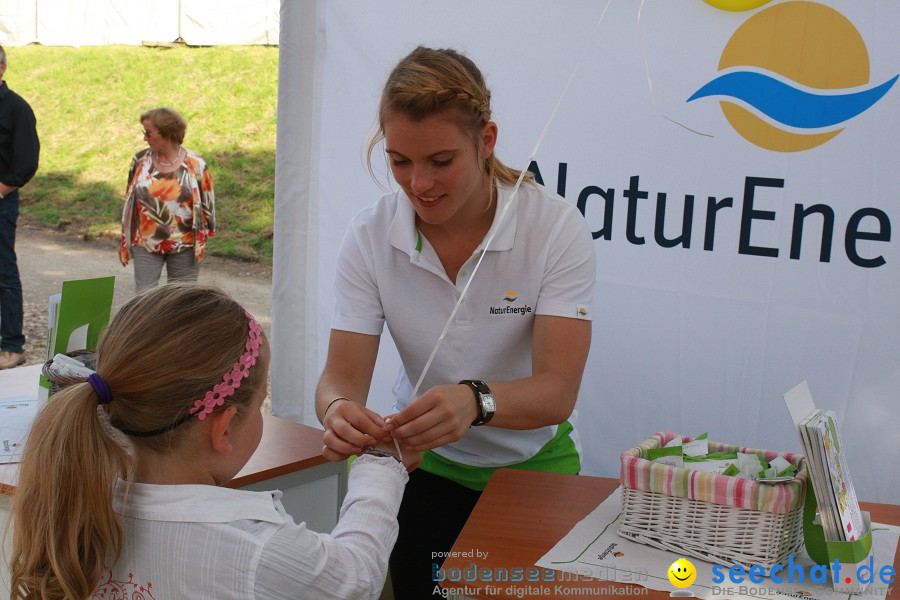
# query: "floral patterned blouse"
[169,212]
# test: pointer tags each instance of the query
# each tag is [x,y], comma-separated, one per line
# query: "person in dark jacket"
[19,151]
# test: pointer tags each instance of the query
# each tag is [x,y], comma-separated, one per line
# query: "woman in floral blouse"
[170,206]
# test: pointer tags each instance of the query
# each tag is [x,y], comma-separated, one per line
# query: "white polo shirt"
[541,262]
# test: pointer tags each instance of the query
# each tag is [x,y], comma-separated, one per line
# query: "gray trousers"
[148,267]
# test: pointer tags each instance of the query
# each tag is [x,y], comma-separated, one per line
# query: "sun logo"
[792,75]
[582,312]
[736,5]
[510,297]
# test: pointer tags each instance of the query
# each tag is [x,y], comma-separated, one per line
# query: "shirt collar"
[404,236]
[196,503]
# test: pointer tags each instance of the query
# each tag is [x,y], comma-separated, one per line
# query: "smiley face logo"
[682,573]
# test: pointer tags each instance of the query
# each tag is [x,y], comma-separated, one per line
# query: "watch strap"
[480,389]
[380,453]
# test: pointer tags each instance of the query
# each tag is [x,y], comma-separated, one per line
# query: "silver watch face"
[487,403]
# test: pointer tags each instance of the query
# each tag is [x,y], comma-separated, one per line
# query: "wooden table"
[523,514]
[286,447]
[289,458]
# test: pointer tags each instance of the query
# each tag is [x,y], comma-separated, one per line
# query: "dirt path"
[46,258]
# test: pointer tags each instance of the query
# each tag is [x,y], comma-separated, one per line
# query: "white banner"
[739,171]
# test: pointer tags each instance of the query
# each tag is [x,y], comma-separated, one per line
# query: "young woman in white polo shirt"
[505,380]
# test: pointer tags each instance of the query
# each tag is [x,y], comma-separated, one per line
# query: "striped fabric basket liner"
[716,518]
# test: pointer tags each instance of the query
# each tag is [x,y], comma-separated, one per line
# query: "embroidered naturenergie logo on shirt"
[510,298]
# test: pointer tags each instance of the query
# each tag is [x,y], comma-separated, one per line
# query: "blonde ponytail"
[64,528]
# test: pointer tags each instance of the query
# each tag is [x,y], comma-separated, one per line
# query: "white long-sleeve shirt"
[202,541]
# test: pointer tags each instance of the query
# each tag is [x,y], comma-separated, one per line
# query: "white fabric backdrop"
[101,22]
[685,339]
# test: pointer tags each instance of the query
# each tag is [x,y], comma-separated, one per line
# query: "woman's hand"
[350,427]
[441,415]
[123,256]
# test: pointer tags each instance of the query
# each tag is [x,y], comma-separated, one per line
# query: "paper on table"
[593,548]
[16,416]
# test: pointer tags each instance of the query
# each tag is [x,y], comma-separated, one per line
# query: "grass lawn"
[88,100]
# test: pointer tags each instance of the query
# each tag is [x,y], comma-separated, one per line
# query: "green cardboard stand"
[83,309]
[851,555]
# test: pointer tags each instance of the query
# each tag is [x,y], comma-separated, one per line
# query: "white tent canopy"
[101,22]
[728,271]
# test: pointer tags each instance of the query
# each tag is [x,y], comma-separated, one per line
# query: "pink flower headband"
[213,398]
[232,379]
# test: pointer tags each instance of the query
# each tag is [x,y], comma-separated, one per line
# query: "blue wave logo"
[792,106]
[792,75]
[510,297]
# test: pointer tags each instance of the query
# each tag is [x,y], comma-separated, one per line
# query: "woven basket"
[57,382]
[716,518]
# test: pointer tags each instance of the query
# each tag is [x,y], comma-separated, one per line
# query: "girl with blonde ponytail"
[118,492]
[504,382]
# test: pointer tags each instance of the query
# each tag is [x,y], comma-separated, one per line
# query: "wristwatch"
[484,401]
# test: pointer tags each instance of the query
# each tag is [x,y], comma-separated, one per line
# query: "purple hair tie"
[104,396]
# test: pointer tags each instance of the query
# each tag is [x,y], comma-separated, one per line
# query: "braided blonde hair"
[428,81]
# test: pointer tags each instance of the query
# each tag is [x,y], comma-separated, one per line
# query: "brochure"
[843,495]
[17,415]
[819,434]
[822,491]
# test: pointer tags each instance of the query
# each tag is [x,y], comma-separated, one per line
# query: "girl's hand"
[441,415]
[411,459]
[350,427]
[123,256]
